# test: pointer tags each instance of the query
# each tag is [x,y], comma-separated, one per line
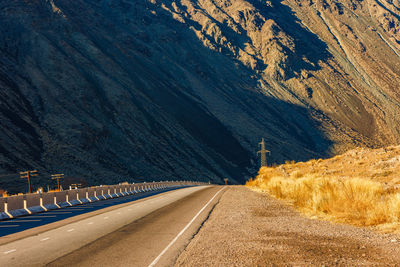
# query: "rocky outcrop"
[146,90]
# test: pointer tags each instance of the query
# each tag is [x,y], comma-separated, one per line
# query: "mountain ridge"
[148,90]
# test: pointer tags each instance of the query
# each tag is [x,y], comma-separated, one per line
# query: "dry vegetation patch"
[360,187]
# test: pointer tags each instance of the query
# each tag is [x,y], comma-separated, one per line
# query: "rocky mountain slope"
[163,89]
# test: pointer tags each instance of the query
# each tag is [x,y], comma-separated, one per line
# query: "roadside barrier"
[49,201]
[3,215]
[61,199]
[17,206]
[22,205]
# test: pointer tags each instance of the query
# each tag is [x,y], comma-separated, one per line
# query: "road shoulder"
[248,228]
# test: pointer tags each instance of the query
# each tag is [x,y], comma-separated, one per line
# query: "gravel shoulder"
[248,228]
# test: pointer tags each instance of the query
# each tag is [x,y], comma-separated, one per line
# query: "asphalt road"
[31,221]
[148,232]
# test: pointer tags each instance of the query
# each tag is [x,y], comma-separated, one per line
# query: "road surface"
[150,231]
[19,224]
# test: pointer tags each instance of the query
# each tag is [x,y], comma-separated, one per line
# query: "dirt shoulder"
[248,228]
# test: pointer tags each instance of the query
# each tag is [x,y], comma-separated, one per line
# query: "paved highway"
[147,232]
[23,223]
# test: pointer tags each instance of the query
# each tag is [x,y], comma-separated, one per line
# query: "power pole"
[263,153]
[57,177]
[28,175]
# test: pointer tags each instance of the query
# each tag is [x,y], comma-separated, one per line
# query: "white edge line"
[70,230]
[10,251]
[183,230]
[44,239]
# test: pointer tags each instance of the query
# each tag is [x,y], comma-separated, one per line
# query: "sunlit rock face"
[161,89]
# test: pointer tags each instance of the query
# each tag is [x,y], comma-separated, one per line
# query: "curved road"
[19,224]
[147,232]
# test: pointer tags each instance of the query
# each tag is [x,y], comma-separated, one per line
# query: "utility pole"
[57,177]
[28,175]
[263,153]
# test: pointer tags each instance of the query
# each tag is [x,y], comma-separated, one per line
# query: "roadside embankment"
[360,187]
[248,228]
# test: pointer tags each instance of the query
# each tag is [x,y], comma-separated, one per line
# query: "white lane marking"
[183,230]
[10,251]
[44,239]
[118,212]
[42,216]
[105,218]
[70,230]
[58,212]
[13,221]
[90,223]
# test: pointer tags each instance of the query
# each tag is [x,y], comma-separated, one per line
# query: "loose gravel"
[247,228]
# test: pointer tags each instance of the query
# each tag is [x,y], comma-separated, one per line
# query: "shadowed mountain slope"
[186,89]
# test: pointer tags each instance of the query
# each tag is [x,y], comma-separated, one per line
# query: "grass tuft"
[316,189]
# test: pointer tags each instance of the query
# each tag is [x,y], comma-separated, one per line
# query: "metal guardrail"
[21,205]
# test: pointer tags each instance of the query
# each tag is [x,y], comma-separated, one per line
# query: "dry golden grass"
[359,187]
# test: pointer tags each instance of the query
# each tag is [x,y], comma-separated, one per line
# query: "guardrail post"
[6,208]
[67,198]
[41,202]
[25,205]
[55,200]
[87,196]
[77,196]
